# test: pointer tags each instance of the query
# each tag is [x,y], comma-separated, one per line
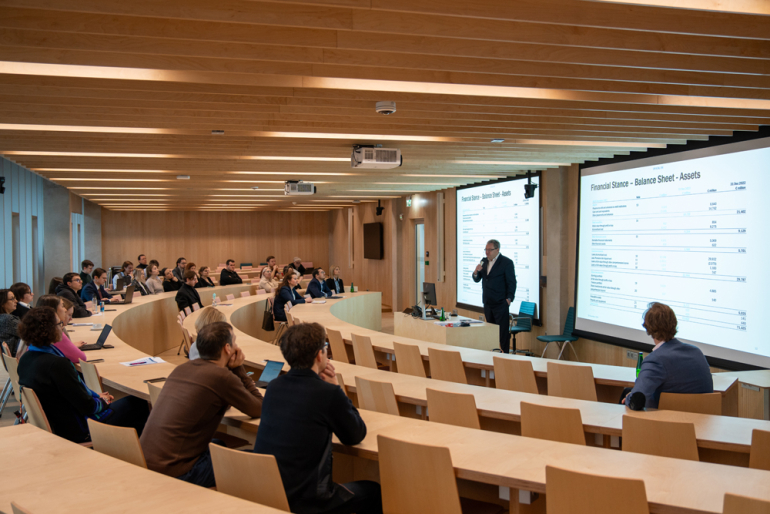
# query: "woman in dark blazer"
[287,293]
[335,282]
[203,278]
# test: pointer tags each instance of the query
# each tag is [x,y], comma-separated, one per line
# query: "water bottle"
[443,318]
[214,300]
[101,305]
[639,360]
[351,287]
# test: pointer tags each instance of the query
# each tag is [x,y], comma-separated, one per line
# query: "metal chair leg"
[5,395]
[545,349]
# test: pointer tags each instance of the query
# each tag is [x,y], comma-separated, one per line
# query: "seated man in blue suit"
[673,366]
[317,287]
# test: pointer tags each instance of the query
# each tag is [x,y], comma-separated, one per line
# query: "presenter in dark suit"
[673,366]
[317,287]
[498,286]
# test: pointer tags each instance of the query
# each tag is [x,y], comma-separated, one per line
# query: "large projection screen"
[499,211]
[688,229]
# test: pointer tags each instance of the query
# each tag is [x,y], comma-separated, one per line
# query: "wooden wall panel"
[209,238]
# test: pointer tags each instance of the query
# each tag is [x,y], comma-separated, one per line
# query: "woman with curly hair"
[65,399]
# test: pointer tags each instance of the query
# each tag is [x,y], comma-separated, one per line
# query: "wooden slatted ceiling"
[115,99]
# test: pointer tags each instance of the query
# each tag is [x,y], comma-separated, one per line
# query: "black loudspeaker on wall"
[2,185]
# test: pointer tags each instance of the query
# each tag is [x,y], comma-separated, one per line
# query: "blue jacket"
[279,304]
[675,367]
[318,289]
[88,292]
[500,284]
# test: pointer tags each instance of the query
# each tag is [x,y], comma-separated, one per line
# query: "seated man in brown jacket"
[192,404]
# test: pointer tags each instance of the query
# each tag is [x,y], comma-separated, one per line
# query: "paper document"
[145,361]
[319,301]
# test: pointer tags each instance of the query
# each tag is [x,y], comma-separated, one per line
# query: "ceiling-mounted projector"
[295,187]
[370,157]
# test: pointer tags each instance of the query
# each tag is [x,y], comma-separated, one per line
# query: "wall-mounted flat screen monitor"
[373,241]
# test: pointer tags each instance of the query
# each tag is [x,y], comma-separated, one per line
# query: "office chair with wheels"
[521,323]
[566,337]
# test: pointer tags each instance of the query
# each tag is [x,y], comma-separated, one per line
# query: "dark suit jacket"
[187,296]
[20,311]
[299,268]
[675,367]
[333,288]
[318,289]
[90,292]
[80,310]
[286,294]
[500,284]
[227,277]
[299,415]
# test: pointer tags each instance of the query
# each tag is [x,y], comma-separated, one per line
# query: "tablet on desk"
[99,344]
[271,371]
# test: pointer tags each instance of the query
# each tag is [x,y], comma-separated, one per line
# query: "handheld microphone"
[636,401]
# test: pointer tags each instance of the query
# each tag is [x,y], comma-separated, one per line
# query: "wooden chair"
[137,294]
[35,414]
[249,476]
[363,351]
[409,360]
[187,311]
[282,325]
[661,438]
[735,504]
[552,423]
[182,315]
[707,403]
[376,396]
[91,376]
[154,390]
[760,449]
[416,478]
[515,375]
[570,492]
[341,381]
[446,365]
[245,294]
[261,291]
[230,297]
[452,409]
[196,307]
[118,442]
[339,352]
[570,381]
[11,366]
[290,319]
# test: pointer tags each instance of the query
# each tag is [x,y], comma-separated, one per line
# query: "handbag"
[267,319]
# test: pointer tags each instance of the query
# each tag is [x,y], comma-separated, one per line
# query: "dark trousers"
[202,472]
[497,313]
[131,412]
[367,499]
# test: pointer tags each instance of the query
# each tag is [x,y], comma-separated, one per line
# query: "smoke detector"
[385,108]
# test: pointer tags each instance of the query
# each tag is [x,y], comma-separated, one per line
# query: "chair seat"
[520,329]
[556,339]
[470,506]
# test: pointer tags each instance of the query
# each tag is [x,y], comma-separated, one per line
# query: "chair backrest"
[569,323]
[187,339]
[376,396]
[91,376]
[250,476]
[137,294]
[446,365]
[341,382]
[580,493]
[12,366]
[287,307]
[363,351]
[261,291]
[707,403]
[196,307]
[735,504]
[409,360]
[552,423]
[182,315]
[118,442]
[760,448]
[289,319]
[230,297]
[187,311]
[416,478]
[154,390]
[515,375]
[35,415]
[661,438]
[245,294]
[570,381]
[457,409]
[339,352]
[524,319]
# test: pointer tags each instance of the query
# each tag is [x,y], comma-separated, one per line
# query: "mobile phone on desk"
[154,380]
[94,361]
[110,310]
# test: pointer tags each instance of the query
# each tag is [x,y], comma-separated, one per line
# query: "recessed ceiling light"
[255,187]
[183,177]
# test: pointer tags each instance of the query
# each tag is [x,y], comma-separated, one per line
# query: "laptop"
[99,344]
[128,298]
[119,283]
[271,371]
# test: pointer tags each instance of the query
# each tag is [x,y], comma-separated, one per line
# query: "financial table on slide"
[512,220]
[680,241]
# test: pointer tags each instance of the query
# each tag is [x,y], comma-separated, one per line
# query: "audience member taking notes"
[63,308]
[193,402]
[301,411]
[673,366]
[94,291]
[317,287]
[69,289]
[65,399]
[228,275]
